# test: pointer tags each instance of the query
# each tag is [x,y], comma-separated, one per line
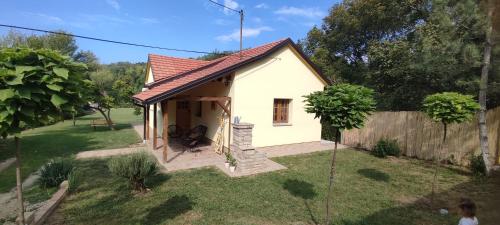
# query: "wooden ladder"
[219,138]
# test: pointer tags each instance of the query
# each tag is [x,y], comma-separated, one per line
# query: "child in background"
[468,210]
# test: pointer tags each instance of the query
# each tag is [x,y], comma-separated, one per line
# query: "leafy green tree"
[99,96]
[447,108]
[215,54]
[344,107]
[89,58]
[64,44]
[404,50]
[36,86]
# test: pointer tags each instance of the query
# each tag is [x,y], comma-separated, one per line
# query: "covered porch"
[204,110]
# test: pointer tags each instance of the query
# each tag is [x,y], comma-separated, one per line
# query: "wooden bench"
[96,123]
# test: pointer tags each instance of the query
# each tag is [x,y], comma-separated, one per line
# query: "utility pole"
[241,22]
[241,33]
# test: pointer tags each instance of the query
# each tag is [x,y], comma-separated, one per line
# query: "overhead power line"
[109,41]
[221,5]
[241,22]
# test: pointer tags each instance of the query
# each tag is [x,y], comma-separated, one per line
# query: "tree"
[64,44]
[35,87]
[447,108]
[215,54]
[342,106]
[404,50]
[483,86]
[99,96]
[89,58]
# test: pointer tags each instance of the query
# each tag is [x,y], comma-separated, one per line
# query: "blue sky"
[189,24]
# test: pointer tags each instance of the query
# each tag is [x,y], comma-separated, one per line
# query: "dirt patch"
[406,200]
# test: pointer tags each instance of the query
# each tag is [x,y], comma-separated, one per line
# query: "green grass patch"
[368,190]
[63,139]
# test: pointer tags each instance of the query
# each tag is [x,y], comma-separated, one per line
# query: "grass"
[63,139]
[367,190]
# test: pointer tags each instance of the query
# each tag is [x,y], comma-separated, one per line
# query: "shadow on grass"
[375,174]
[304,190]
[157,180]
[169,209]
[416,211]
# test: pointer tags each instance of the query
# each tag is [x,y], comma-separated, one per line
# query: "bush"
[74,179]
[385,147]
[55,172]
[136,168]
[477,165]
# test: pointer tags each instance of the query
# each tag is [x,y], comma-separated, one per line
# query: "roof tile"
[171,73]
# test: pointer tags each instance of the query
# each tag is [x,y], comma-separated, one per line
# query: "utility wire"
[238,11]
[109,41]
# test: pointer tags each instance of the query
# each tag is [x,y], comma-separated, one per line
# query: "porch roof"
[198,73]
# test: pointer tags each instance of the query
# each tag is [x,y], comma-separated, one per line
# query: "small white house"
[263,86]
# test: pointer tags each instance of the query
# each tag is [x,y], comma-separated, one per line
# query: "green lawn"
[63,140]
[368,190]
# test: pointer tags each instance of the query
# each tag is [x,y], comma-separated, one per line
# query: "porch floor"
[180,158]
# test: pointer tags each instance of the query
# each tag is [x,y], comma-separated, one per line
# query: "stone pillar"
[242,136]
[248,160]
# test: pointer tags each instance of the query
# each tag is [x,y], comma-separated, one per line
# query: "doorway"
[183,115]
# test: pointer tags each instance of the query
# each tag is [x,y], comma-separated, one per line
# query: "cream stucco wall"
[210,116]
[149,75]
[284,74]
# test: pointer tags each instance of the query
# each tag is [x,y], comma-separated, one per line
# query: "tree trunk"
[437,164]
[19,183]
[332,177]
[106,117]
[483,86]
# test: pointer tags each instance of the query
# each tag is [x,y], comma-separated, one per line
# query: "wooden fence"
[419,137]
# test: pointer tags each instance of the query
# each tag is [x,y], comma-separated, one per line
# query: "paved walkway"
[298,148]
[108,152]
[7,163]
[179,158]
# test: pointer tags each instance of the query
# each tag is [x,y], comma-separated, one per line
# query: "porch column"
[164,109]
[144,118]
[155,127]
[146,125]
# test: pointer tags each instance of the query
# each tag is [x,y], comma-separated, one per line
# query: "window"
[281,110]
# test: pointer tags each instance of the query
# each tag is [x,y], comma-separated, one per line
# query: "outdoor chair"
[194,137]
[175,131]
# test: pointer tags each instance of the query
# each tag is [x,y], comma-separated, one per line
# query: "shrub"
[385,147]
[55,172]
[74,179]
[477,165]
[136,168]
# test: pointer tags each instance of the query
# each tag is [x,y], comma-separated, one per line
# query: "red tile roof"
[166,66]
[177,78]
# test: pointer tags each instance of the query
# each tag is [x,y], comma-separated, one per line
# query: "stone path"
[299,148]
[7,163]
[108,152]
[180,159]
[8,200]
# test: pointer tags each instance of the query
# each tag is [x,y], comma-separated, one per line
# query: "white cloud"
[114,4]
[100,18]
[247,32]
[45,17]
[304,12]
[257,19]
[222,22]
[147,20]
[230,4]
[262,6]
